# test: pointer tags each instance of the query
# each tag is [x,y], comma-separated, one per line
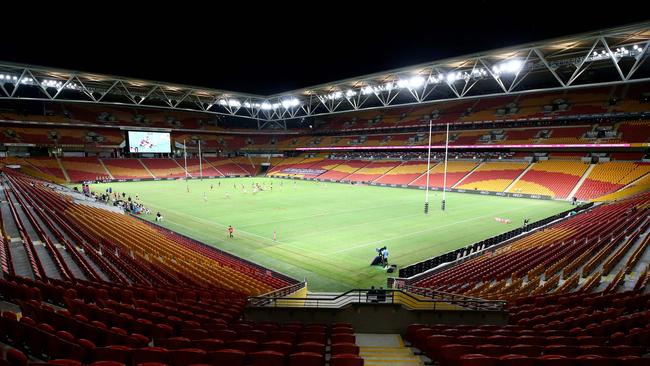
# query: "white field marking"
[425,230]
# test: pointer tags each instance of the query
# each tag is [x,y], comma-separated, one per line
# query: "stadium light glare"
[416,82]
[266,106]
[350,93]
[635,47]
[511,66]
[289,103]
[402,83]
[367,90]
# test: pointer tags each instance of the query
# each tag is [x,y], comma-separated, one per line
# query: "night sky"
[271,53]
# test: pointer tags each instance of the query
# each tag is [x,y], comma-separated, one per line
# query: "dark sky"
[270,53]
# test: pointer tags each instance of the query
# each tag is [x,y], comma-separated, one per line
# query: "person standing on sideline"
[385,255]
[275,237]
[230,231]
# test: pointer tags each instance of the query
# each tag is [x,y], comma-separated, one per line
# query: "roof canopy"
[600,58]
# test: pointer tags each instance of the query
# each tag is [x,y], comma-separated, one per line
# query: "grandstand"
[163,224]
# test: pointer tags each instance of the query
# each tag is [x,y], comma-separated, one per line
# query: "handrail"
[287,290]
[381,296]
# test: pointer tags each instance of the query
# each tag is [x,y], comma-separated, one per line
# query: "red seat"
[254,335]
[173,343]
[631,361]
[473,359]
[451,353]
[306,359]
[188,356]
[593,360]
[346,360]
[558,349]
[528,350]
[64,362]
[16,358]
[492,350]
[516,360]
[107,363]
[410,331]
[245,345]
[278,346]
[596,350]
[341,330]
[343,338]
[589,340]
[162,331]
[470,340]
[208,344]
[421,335]
[344,348]
[433,344]
[149,354]
[267,358]
[554,360]
[313,337]
[226,335]
[624,350]
[112,353]
[567,341]
[226,357]
[282,335]
[311,347]
[502,340]
[194,334]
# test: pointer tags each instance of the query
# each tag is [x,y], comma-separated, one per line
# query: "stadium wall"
[375,317]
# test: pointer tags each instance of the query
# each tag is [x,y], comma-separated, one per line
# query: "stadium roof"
[600,58]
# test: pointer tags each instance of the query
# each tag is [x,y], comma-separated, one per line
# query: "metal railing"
[282,293]
[418,299]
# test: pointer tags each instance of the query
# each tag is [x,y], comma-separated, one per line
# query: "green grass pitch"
[328,232]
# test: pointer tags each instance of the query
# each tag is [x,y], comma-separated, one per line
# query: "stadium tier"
[553,178]
[610,177]
[197,168]
[344,169]
[492,176]
[561,248]
[456,170]
[150,255]
[164,168]
[404,173]
[372,171]
[226,166]
[84,169]
[126,168]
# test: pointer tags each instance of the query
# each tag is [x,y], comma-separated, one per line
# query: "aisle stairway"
[386,349]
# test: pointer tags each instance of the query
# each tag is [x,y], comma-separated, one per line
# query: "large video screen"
[149,142]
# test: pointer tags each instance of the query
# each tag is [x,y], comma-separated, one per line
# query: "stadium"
[485,209]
